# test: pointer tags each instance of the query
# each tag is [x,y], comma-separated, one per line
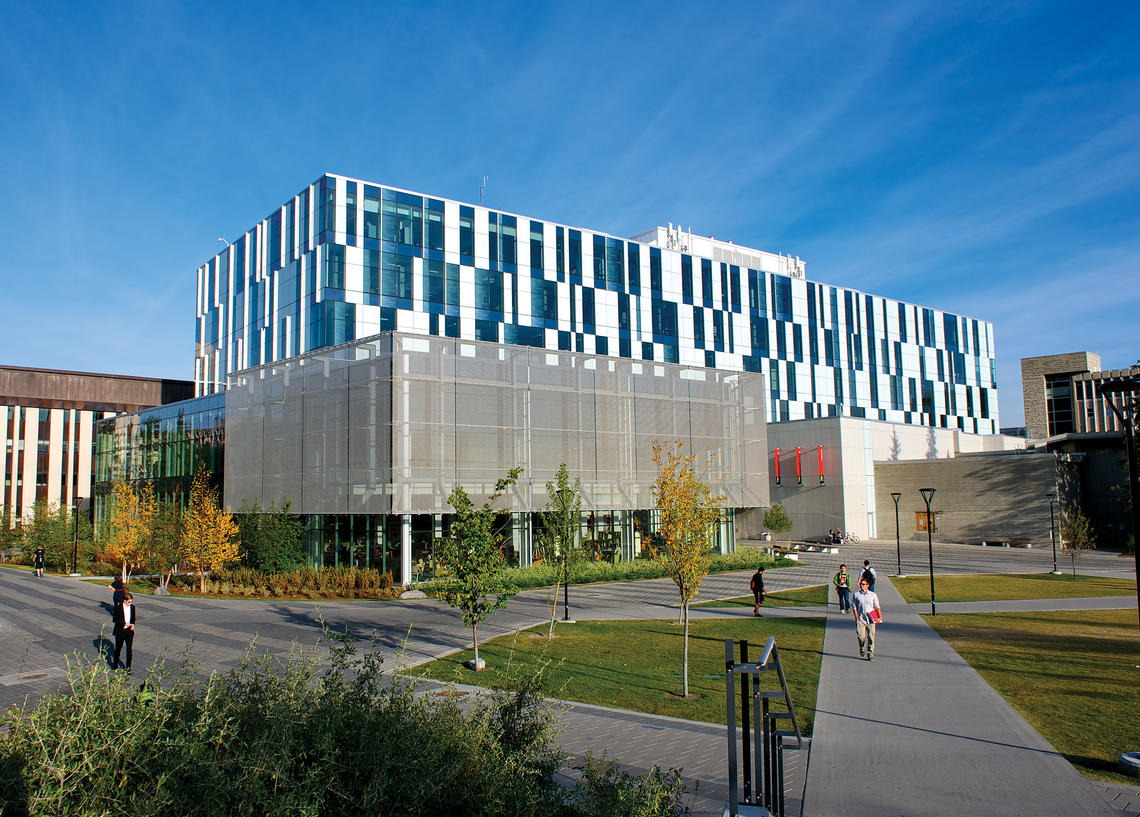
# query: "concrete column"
[405,548]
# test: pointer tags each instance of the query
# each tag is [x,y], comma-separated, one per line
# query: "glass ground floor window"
[376,541]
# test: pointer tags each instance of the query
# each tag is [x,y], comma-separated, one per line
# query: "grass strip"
[1073,676]
[636,665]
[996,588]
[802,597]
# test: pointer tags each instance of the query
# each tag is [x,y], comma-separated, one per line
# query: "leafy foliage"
[688,514]
[559,525]
[64,536]
[1076,533]
[208,532]
[472,558]
[307,582]
[129,526]
[289,740]
[272,539]
[776,519]
[165,544]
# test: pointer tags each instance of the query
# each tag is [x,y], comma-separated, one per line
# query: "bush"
[586,572]
[308,582]
[274,738]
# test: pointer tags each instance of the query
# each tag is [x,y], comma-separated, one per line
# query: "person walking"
[38,561]
[125,616]
[842,582]
[868,613]
[757,585]
[869,574]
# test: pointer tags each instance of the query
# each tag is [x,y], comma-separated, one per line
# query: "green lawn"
[803,597]
[1074,678]
[1000,587]
[636,665]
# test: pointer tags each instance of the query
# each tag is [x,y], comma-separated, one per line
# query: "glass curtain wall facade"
[163,445]
[347,259]
[369,439]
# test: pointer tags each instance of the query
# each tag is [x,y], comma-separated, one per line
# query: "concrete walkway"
[917,732]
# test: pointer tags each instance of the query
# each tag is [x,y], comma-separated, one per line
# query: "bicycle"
[850,539]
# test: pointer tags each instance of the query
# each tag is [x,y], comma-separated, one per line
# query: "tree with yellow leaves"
[209,533]
[688,516]
[130,524]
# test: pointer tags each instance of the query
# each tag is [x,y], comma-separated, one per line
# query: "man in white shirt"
[865,607]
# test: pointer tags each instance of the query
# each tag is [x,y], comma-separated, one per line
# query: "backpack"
[867,574]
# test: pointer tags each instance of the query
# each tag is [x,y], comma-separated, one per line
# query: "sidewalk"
[918,732]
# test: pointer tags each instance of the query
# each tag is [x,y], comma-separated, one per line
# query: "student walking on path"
[38,561]
[124,628]
[867,614]
[757,586]
[842,582]
[869,574]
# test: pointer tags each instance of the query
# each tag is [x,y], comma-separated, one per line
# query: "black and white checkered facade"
[347,259]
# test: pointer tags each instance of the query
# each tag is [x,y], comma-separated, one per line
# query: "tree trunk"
[201,581]
[685,649]
[123,573]
[475,641]
[553,611]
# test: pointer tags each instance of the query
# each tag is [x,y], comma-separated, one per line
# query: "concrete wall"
[993,496]
[1033,373]
[851,449]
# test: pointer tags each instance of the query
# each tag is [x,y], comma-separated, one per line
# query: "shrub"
[308,582]
[283,738]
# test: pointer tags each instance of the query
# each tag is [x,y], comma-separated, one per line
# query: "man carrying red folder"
[865,607]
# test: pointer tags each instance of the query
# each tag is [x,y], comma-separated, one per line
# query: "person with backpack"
[38,561]
[842,582]
[868,574]
[757,586]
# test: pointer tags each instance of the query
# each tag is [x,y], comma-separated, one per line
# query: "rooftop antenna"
[483,191]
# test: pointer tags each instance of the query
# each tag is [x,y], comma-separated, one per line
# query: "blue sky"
[981,158]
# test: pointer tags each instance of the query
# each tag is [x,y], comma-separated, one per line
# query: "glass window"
[950,327]
[372,272]
[783,292]
[403,219]
[396,281]
[328,204]
[655,269]
[544,300]
[724,303]
[699,326]
[634,267]
[623,311]
[453,285]
[588,309]
[559,251]
[600,262]
[536,245]
[467,231]
[706,282]
[487,330]
[350,209]
[435,225]
[334,266]
[1058,404]
[371,212]
[687,278]
[664,320]
[902,322]
[615,265]
[489,290]
[734,283]
[435,282]
[509,240]
[274,242]
[928,327]
[575,255]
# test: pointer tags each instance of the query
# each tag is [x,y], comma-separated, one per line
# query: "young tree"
[209,533]
[776,519]
[559,524]
[271,539]
[689,513]
[165,542]
[48,528]
[472,557]
[129,525]
[1076,533]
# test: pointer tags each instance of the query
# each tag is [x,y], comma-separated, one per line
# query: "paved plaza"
[916,732]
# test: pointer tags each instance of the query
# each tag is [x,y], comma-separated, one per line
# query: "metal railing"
[760,726]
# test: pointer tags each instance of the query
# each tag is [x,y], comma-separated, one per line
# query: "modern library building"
[363,350]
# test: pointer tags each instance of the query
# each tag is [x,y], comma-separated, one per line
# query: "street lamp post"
[75,542]
[896,496]
[927,496]
[1053,533]
[1128,415]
